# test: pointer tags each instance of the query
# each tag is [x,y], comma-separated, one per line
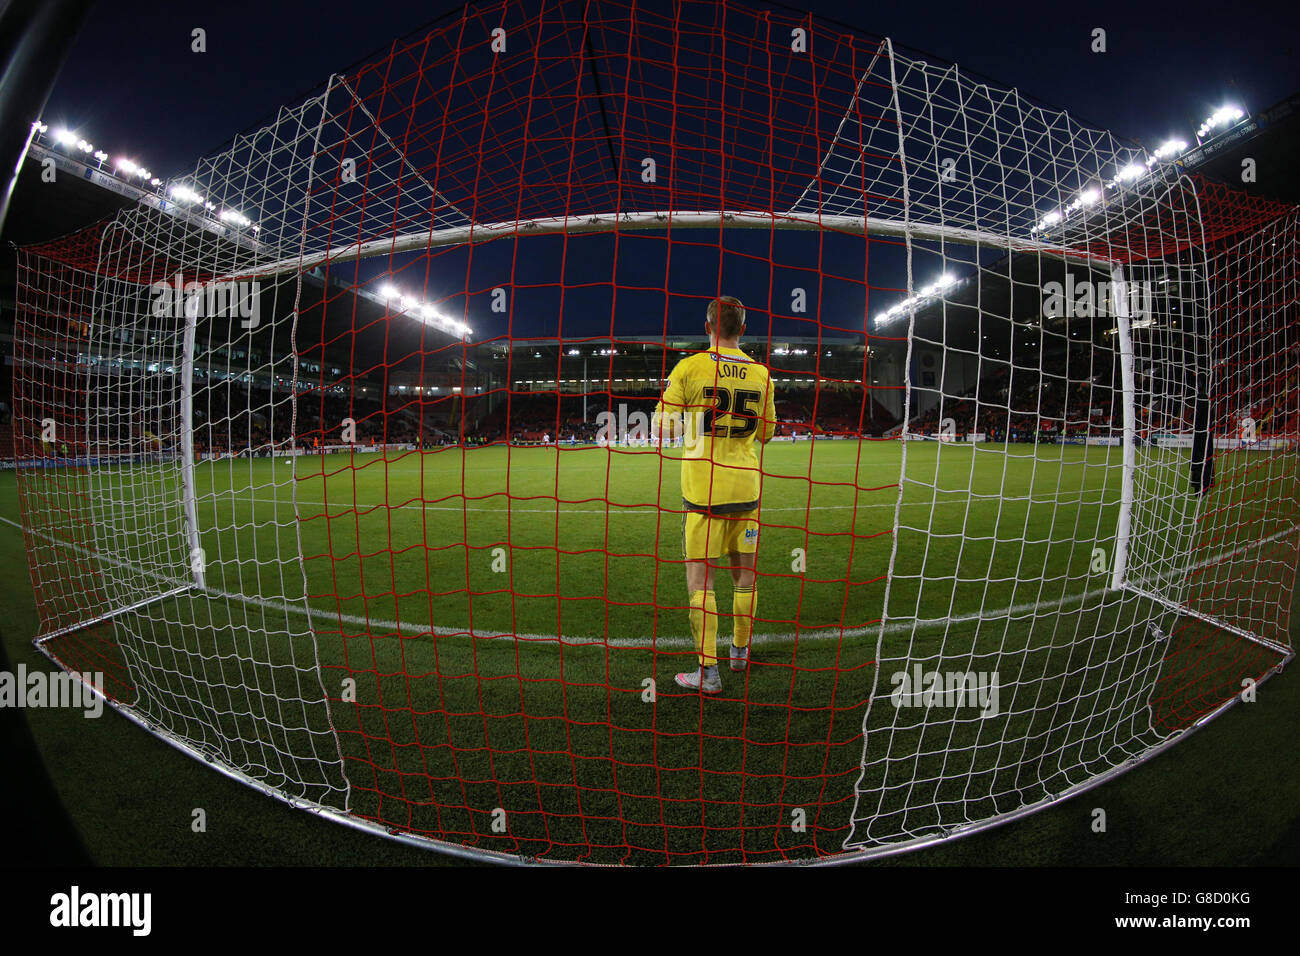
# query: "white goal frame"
[282,253]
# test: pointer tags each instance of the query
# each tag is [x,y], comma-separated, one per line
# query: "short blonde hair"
[726,316]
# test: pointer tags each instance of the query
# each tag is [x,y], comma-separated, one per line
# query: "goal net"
[335,463]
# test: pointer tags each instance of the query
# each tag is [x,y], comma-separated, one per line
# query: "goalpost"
[270,431]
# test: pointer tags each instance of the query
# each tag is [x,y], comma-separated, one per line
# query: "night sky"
[133,87]
[131,84]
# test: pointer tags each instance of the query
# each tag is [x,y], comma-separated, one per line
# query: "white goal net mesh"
[314,472]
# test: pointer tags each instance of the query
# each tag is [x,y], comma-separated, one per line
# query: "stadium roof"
[595,79]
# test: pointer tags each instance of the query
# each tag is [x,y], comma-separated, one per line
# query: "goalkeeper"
[723,400]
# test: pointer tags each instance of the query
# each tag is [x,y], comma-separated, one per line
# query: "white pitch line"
[667,641]
[646,510]
[818,635]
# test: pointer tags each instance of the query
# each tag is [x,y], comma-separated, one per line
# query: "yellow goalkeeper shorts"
[707,536]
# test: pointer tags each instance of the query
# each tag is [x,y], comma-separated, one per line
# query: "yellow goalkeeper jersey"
[724,401]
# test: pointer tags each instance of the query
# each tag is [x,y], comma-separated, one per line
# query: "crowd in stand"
[534,417]
[1021,405]
[237,418]
[1008,405]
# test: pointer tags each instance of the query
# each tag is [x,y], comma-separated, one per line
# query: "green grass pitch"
[501,611]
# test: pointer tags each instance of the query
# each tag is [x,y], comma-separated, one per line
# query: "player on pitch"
[723,399]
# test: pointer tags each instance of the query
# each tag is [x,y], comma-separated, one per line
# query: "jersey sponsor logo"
[751,534]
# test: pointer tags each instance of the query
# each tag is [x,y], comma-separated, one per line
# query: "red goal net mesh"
[352,487]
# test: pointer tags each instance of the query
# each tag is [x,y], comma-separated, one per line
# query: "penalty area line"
[649,510]
[814,634]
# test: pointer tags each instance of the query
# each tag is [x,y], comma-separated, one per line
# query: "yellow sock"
[744,602]
[704,626]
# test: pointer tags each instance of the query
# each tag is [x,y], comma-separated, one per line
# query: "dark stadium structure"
[330,538]
[525,388]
